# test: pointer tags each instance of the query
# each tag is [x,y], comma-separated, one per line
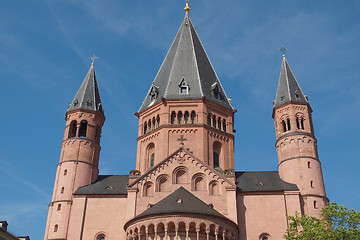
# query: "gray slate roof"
[106,184]
[288,88]
[88,96]
[262,181]
[188,203]
[187,64]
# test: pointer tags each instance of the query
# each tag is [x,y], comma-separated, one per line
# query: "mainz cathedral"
[185,185]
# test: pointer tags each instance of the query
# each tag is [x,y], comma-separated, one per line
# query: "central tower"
[186,106]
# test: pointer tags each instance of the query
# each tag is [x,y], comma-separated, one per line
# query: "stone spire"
[288,89]
[88,96]
[186,72]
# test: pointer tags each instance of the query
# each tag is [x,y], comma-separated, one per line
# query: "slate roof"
[262,181]
[180,201]
[106,184]
[88,96]
[288,88]
[186,64]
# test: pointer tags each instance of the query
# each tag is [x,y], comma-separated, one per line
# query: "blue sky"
[45,46]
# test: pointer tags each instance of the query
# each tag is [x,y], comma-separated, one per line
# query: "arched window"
[214,121]
[283,125]
[288,124]
[193,116]
[152,159]
[59,207]
[186,117]
[56,227]
[302,123]
[153,123]
[65,172]
[150,155]
[312,184]
[309,164]
[149,125]
[101,237]
[315,205]
[157,121]
[173,116]
[83,129]
[209,119]
[179,117]
[72,130]
[145,127]
[62,190]
[224,125]
[219,123]
[216,154]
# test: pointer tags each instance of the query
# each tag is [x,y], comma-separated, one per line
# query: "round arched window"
[101,237]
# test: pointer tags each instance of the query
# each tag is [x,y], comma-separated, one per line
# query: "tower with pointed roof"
[79,156]
[296,144]
[186,101]
[184,185]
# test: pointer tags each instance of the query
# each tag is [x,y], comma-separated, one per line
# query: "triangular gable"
[180,156]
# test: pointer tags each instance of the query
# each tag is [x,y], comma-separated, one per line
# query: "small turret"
[296,144]
[80,152]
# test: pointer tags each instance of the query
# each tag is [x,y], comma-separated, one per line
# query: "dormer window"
[215,89]
[184,87]
[154,92]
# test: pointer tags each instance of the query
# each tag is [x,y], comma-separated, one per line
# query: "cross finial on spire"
[187,8]
[283,50]
[93,58]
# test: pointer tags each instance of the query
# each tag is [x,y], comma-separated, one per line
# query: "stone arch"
[216,154]
[193,117]
[157,120]
[162,183]
[150,155]
[100,236]
[198,182]
[145,127]
[172,117]
[214,188]
[72,129]
[180,175]
[148,189]
[179,117]
[186,117]
[83,128]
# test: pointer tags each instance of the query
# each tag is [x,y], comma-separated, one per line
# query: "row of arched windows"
[286,125]
[181,176]
[180,118]
[75,132]
[216,122]
[151,124]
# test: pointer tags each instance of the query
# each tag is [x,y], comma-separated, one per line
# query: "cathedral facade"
[185,185]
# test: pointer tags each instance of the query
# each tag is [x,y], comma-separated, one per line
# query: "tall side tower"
[186,105]
[79,157]
[296,144]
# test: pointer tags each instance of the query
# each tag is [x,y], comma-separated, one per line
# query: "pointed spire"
[186,72]
[88,96]
[288,88]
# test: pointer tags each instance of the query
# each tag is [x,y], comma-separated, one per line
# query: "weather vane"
[283,50]
[93,58]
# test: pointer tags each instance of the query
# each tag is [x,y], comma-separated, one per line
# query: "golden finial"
[187,8]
